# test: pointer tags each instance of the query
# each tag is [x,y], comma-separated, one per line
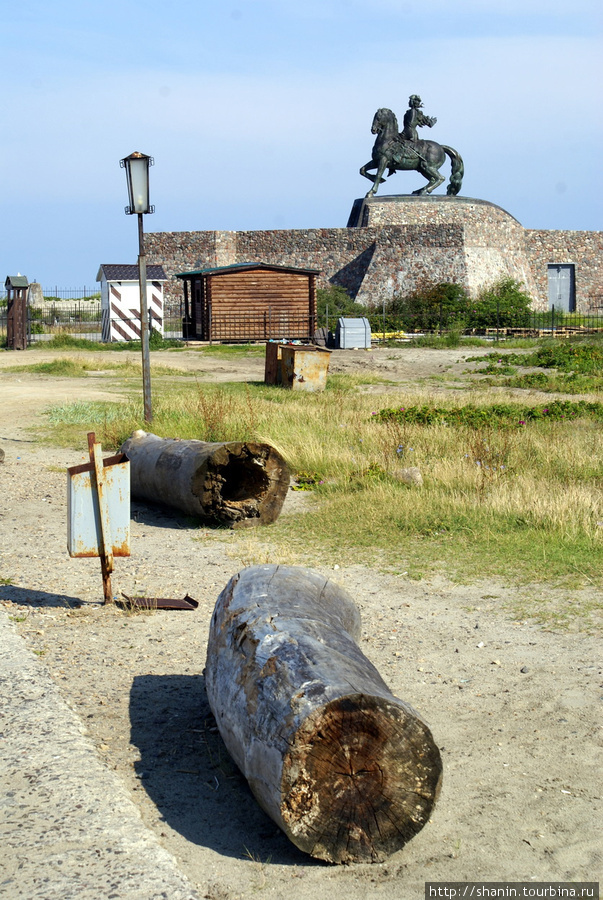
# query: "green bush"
[339,303]
[504,304]
[429,308]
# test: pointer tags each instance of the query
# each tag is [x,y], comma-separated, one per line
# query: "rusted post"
[106,553]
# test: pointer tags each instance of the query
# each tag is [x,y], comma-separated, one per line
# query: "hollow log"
[236,483]
[348,771]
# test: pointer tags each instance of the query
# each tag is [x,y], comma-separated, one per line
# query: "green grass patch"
[67,342]
[496,415]
[446,341]
[561,383]
[232,351]
[69,367]
[346,383]
[581,357]
[66,367]
[523,503]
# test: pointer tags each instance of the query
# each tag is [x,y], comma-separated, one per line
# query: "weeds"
[585,358]
[67,342]
[499,479]
[496,415]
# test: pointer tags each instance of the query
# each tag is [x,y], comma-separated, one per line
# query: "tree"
[339,303]
[503,304]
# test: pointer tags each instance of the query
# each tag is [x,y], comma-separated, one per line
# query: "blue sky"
[258,114]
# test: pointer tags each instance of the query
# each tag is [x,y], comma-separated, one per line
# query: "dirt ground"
[514,708]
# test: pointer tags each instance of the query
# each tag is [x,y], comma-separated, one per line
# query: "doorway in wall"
[562,291]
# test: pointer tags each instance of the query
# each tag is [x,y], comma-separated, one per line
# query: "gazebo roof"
[16,281]
[117,272]
[223,270]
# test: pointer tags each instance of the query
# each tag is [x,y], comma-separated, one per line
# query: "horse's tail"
[458,170]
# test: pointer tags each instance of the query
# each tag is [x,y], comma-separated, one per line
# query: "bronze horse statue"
[391,151]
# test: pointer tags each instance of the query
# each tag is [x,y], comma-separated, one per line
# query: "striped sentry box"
[120,301]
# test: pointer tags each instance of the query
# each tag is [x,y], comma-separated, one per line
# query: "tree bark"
[236,483]
[348,771]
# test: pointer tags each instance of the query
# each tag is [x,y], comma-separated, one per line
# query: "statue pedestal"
[427,209]
[442,238]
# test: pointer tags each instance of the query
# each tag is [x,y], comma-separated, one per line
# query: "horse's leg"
[433,176]
[370,165]
[377,179]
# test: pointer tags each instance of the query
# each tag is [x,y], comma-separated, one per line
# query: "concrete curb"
[68,828]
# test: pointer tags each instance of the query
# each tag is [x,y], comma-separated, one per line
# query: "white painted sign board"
[84,535]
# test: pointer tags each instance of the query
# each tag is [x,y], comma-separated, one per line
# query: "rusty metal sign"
[84,514]
[98,510]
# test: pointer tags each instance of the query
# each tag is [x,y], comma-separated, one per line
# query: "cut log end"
[347,770]
[244,484]
[235,483]
[360,780]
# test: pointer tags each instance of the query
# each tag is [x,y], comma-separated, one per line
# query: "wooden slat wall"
[253,305]
[257,291]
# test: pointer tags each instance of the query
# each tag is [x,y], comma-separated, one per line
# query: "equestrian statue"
[406,151]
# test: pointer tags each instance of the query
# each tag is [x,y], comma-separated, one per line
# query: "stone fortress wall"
[399,243]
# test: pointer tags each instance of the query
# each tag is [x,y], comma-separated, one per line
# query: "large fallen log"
[348,771]
[236,483]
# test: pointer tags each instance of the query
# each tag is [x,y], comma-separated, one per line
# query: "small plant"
[260,869]
[306,481]
[489,454]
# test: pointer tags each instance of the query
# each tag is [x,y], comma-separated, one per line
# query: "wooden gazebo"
[251,301]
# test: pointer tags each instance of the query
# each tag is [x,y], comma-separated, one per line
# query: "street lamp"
[137,177]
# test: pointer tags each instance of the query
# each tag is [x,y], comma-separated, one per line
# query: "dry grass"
[524,504]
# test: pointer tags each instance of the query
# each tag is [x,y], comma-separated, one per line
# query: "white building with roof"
[120,301]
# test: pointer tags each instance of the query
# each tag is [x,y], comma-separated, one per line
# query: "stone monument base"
[459,239]
[428,209]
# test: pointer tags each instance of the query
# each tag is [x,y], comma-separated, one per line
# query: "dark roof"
[16,281]
[220,270]
[129,273]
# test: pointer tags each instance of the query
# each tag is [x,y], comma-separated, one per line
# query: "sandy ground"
[515,709]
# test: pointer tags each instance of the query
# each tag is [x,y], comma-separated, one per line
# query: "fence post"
[384,321]
[497,317]
[553,320]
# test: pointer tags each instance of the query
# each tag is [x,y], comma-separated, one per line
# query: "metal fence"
[81,320]
[84,319]
[89,293]
[548,323]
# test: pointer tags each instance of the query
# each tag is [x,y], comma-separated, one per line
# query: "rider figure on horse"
[413,117]
[407,141]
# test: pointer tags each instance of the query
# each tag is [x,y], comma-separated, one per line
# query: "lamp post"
[137,177]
